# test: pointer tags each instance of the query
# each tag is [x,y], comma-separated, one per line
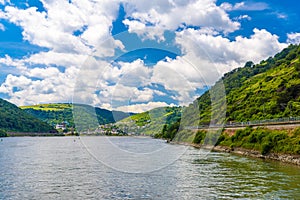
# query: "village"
[106,129]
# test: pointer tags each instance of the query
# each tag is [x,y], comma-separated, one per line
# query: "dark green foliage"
[3,133]
[240,134]
[53,117]
[264,140]
[266,148]
[14,119]
[199,137]
[106,116]
[267,90]
[87,116]
[156,122]
[169,131]
[220,139]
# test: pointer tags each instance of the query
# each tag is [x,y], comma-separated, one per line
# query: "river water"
[77,168]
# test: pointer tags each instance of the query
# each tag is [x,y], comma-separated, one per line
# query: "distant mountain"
[86,116]
[14,119]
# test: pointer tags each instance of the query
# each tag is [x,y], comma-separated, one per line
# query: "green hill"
[14,119]
[268,90]
[86,116]
[151,122]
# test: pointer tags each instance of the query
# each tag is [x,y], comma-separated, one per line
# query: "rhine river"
[135,168]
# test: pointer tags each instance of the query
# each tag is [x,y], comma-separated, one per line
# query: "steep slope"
[14,119]
[268,90]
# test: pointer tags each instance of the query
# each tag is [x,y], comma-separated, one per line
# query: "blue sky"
[133,55]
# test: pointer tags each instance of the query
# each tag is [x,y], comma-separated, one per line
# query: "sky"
[134,55]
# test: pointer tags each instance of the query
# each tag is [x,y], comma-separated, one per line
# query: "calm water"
[88,168]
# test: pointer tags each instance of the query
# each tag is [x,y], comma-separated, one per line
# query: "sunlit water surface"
[72,168]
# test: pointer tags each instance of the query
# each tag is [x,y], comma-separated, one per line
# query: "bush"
[266,148]
[200,135]
[220,139]
[241,133]
[3,133]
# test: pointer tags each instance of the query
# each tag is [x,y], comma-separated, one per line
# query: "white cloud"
[8,61]
[58,59]
[218,50]
[180,76]
[12,82]
[2,2]
[172,14]
[53,76]
[134,73]
[293,38]
[114,83]
[43,72]
[54,29]
[243,17]
[138,108]
[250,6]
[123,93]
[2,27]
[54,87]
[281,15]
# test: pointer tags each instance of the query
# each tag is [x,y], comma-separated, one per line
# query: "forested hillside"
[63,112]
[152,121]
[14,119]
[268,90]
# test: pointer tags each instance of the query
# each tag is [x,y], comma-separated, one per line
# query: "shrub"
[241,133]
[3,133]
[200,135]
[266,148]
[220,139]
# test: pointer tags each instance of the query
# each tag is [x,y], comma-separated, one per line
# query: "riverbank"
[280,157]
[284,158]
[32,134]
[272,144]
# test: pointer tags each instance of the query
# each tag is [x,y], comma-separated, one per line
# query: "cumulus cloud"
[40,85]
[219,54]
[179,76]
[78,39]
[138,108]
[149,21]
[55,28]
[103,83]
[249,6]
[134,73]
[293,38]
[58,59]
